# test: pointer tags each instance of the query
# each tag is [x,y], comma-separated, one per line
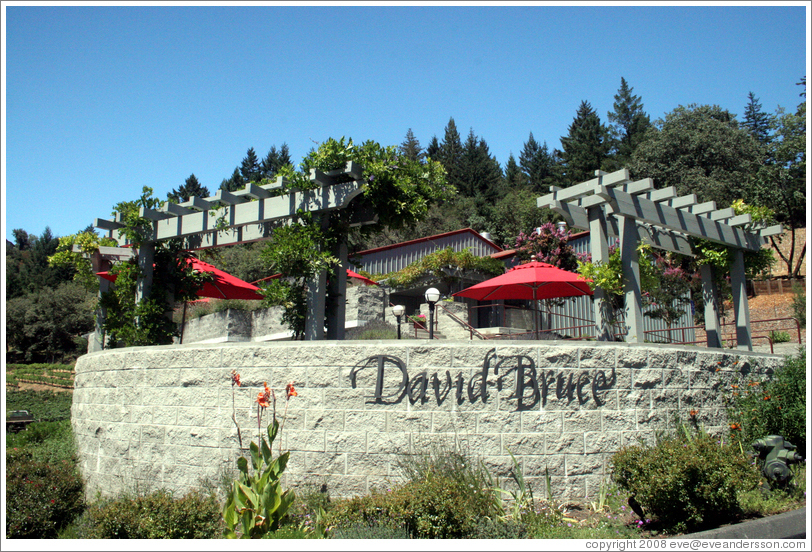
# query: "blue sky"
[102,100]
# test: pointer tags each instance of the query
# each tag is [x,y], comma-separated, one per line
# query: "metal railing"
[471,330]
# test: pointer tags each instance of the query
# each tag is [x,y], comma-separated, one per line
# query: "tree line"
[702,149]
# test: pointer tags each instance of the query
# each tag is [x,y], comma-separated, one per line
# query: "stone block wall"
[162,416]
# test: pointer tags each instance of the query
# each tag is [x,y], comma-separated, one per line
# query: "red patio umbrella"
[222,286]
[531,281]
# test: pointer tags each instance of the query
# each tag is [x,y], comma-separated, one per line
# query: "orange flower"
[736,427]
[291,391]
[734,386]
[235,378]
[694,413]
[766,397]
[264,397]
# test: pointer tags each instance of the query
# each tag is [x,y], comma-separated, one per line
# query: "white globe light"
[432,295]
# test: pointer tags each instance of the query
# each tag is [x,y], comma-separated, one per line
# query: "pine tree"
[480,173]
[528,160]
[538,165]
[629,123]
[450,155]
[433,149]
[514,177]
[236,182]
[756,121]
[410,148]
[191,187]
[273,161]
[250,167]
[586,146]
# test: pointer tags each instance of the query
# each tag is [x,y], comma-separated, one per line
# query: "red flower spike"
[291,391]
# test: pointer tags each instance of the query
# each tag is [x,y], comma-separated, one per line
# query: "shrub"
[685,481]
[370,531]
[373,330]
[436,507]
[157,515]
[495,529]
[778,336]
[775,406]
[45,441]
[41,497]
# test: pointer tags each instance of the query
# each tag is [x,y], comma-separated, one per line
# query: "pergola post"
[599,248]
[314,317]
[337,289]
[630,261]
[709,296]
[99,264]
[741,309]
[146,258]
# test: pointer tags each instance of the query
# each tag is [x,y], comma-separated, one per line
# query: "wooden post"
[146,258]
[98,264]
[599,248]
[738,284]
[314,317]
[631,279]
[336,310]
[710,297]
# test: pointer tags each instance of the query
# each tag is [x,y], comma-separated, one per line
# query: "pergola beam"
[681,221]
[659,238]
[583,189]
[246,220]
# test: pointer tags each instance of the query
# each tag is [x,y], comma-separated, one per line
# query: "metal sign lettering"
[530,386]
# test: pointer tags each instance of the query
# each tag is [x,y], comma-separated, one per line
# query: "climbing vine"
[298,251]
[445,265]
[89,243]
[147,322]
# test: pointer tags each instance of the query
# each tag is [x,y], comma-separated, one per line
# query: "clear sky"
[100,101]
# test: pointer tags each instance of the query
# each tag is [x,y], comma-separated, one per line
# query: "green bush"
[45,441]
[495,529]
[778,336]
[774,406]
[157,515]
[370,531]
[41,497]
[435,507]
[373,330]
[686,481]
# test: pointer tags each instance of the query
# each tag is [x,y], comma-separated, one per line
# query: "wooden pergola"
[248,215]
[612,205]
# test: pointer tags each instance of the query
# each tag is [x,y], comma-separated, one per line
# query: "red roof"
[428,238]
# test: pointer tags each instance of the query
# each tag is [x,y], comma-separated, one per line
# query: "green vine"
[299,251]
[443,265]
[147,322]
[89,243]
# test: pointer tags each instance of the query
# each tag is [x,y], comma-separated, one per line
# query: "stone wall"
[162,416]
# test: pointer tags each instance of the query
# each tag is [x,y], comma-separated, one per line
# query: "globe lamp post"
[432,295]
